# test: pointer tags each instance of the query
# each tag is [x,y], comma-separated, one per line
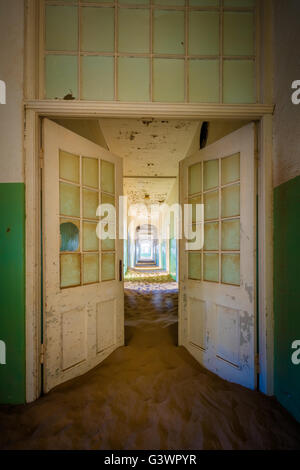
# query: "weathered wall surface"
[12,204]
[286,202]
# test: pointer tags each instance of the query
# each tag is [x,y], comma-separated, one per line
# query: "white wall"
[11,72]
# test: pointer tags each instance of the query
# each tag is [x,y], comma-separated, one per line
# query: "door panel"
[83,297]
[217,282]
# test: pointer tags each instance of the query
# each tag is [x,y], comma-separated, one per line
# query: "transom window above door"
[149,50]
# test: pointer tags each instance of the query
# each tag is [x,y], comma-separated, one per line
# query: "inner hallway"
[149,394]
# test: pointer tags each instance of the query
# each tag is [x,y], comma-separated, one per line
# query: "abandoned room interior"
[149,195]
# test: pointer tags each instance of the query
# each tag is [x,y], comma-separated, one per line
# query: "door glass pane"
[61,28]
[90,204]
[133,30]
[90,172]
[107,176]
[97,30]
[231,269]
[90,268]
[195,179]
[69,270]
[211,267]
[69,235]
[107,266]
[204,33]
[69,200]
[90,239]
[107,199]
[133,79]
[231,201]
[230,171]
[211,174]
[231,235]
[238,33]
[168,80]
[168,32]
[239,81]
[194,266]
[61,76]
[204,81]
[97,78]
[211,236]
[211,205]
[68,166]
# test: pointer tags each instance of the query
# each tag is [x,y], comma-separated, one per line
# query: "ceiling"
[151,150]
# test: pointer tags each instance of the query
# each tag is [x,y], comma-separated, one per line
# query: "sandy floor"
[149,394]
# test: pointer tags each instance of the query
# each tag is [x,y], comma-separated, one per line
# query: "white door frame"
[34,110]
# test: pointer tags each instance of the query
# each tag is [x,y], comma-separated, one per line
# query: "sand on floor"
[149,394]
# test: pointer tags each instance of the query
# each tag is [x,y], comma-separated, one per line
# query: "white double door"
[83,298]
[217,322]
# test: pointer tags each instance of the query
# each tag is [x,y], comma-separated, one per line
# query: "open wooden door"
[218,282]
[83,316]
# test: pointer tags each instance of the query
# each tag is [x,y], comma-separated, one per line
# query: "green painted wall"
[12,291]
[286,292]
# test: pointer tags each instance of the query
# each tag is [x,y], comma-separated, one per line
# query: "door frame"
[35,110]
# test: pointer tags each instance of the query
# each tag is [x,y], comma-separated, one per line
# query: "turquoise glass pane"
[133,27]
[61,76]
[231,269]
[97,30]
[211,267]
[168,32]
[133,79]
[238,33]
[204,27]
[97,78]
[61,26]
[204,81]
[239,81]
[69,235]
[168,78]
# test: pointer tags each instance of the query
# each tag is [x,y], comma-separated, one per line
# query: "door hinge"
[42,354]
[257,366]
[41,156]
